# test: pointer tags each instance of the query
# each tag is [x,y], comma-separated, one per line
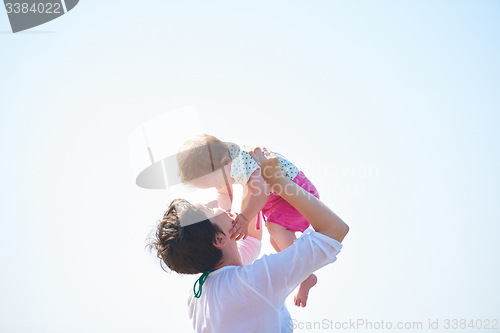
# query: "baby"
[206,162]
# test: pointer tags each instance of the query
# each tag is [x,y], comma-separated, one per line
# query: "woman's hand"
[269,163]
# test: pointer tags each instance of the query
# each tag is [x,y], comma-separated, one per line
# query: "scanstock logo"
[26,14]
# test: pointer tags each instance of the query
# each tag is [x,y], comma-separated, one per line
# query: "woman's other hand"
[269,163]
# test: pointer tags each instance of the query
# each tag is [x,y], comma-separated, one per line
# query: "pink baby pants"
[279,211]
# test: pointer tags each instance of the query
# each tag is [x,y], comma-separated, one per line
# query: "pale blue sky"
[407,89]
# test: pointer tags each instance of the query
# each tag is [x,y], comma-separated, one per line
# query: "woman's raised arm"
[322,218]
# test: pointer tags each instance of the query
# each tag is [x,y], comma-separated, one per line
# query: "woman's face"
[224,219]
[216,215]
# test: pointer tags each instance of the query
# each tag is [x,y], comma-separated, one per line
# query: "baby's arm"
[252,228]
[258,195]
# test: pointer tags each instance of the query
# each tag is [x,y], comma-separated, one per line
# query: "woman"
[237,297]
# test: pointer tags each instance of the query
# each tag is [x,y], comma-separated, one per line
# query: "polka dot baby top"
[244,165]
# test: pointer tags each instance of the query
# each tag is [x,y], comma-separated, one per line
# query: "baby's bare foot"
[301,297]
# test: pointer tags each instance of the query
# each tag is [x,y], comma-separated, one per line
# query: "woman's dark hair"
[187,249]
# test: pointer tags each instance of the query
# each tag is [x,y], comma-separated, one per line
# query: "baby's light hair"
[199,156]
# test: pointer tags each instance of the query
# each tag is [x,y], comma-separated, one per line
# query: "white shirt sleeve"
[249,249]
[279,274]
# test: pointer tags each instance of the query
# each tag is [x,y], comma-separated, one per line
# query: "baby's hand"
[240,228]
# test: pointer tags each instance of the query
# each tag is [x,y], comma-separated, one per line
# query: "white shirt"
[252,298]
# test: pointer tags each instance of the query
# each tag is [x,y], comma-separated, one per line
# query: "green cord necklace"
[200,281]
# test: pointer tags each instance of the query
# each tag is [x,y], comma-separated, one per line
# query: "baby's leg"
[281,238]
[273,243]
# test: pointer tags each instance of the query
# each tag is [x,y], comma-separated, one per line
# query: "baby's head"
[200,161]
